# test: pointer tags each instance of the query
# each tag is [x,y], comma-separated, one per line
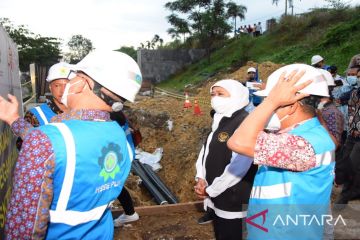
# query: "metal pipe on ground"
[170,197]
[149,185]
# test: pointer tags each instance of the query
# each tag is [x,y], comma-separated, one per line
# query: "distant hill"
[334,34]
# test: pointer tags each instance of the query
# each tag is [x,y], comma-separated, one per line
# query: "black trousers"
[227,229]
[348,167]
[126,202]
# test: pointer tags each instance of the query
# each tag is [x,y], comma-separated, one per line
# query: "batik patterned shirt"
[284,150]
[334,120]
[354,113]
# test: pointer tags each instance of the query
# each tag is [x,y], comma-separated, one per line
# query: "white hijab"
[239,98]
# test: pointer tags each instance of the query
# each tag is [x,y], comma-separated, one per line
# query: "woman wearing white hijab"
[224,178]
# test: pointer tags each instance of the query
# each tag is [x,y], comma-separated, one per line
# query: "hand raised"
[9,109]
[285,92]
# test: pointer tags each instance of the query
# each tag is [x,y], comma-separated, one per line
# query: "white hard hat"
[318,87]
[251,69]
[59,70]
[114,70]
[328,77]
[316,59]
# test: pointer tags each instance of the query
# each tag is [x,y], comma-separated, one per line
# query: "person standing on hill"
[318,61]
[254,84]
[224,190]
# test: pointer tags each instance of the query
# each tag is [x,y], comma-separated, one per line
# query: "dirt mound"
[182,144]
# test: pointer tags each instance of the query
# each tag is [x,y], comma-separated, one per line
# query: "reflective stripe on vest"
[325,159]
[61,215]
[42,115]
[284,189]
[273,191]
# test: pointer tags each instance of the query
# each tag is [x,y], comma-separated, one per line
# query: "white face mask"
[66,92]
[221,104]
[321,105]
[117,106]
[274,123]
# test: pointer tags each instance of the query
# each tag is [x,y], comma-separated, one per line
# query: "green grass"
[335,35]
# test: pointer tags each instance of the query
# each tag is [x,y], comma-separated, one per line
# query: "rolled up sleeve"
[284,151]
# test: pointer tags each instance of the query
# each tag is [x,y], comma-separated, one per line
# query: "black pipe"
[159,198]
[170,197]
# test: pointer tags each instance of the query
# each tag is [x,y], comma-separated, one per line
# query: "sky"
[110,24]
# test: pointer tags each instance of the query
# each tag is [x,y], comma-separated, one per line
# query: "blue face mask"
[351,80]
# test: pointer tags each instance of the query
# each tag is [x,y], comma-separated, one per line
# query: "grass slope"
[334,34]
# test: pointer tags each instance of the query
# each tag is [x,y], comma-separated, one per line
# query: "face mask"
[358,82]
[66,92]
[220,104]
[117,106]
[351,80]
[274,123]
[321,105]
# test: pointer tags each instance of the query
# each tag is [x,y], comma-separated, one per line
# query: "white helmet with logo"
[59,70]
[318,86]
[114,70]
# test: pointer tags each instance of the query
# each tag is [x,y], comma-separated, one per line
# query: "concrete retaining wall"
[157,65]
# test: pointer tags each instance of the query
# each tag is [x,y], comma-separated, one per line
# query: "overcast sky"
[110,24]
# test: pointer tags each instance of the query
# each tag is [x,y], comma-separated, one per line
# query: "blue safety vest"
[292,205]
[43,113]
[91,166]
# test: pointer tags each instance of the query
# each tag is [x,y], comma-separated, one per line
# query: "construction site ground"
[181,146]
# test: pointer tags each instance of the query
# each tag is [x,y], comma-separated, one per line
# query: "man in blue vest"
[69,171]
[295,158]
[57,78]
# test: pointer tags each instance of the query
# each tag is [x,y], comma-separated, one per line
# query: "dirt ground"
[181,147]
[177,226]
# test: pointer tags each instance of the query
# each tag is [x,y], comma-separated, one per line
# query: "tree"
[337,4]
[234,11]
[79,47]
[154,43]
[180,26]
[32,48]
[286,4]
[204,20]
[129,51]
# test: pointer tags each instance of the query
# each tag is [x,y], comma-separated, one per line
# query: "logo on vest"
[223,136]
[109,161]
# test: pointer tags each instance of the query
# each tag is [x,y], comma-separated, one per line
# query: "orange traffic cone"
[187,103]
[197,110]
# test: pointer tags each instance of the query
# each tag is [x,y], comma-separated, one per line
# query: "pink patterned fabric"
[285,151]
